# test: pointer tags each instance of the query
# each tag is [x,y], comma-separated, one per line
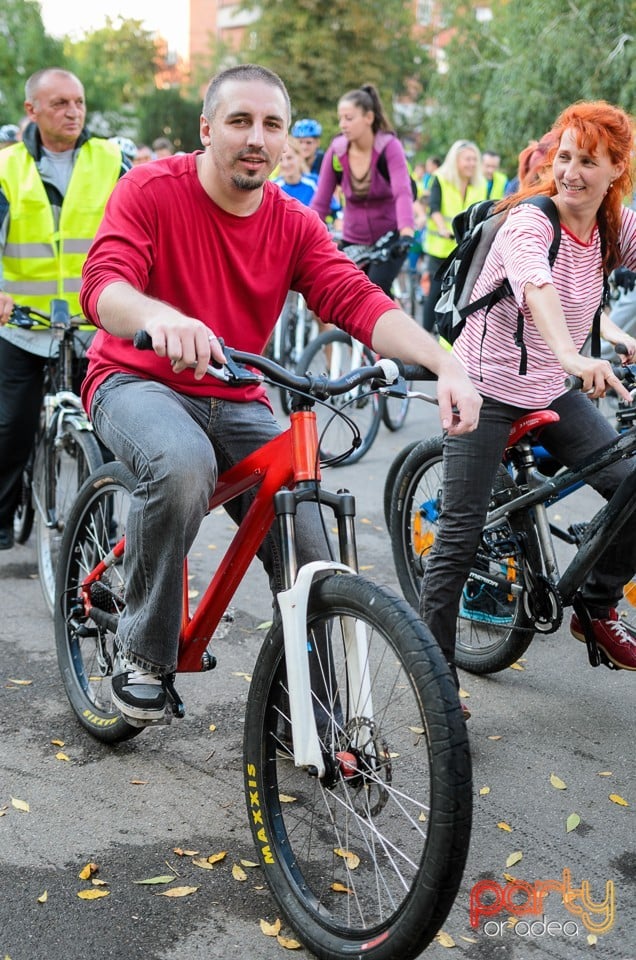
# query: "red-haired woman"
[589,174]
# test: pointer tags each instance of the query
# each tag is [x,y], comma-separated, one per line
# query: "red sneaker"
[613,636]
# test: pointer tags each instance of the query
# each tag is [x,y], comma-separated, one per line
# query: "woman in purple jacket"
[368,162]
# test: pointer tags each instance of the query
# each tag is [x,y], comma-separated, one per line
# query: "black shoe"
[137,693]
[6,538]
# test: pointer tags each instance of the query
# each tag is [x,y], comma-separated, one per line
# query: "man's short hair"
[243,72]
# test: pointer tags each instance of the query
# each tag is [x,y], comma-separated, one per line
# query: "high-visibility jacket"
[41,262]
[452,203]
[497,186]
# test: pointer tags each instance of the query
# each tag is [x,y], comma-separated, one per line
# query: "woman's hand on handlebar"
[186,342]
[6,306]
[597,376]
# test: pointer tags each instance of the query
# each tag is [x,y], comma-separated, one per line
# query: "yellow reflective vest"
[497,186]
[452,203]
[41,262]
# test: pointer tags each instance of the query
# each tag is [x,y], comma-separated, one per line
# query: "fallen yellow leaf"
[165,878]
[270,929]
[285,798]
[212,727]
[88,871]
[605,773]
[185,853]
[508,877]
[514,858]
[178,892]
[418,730]
[469,939]
[557,782]
[99,883]
[249,863]
[495,737]
[204,864]
[614,797]
[484,791]
[192,594]
[20,683]
[504,826]
[245,676]
[592,939]
[216,857]
[516,666]
[20,805]
[340,888]
[289,944]
[93,894]
[62,756]
[352,859]
[464,694]
[43,897]
[139,783]
[57,743]
[445,939]
[238,873]
[572,822]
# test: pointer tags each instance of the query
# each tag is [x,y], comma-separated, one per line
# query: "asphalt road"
[179,788]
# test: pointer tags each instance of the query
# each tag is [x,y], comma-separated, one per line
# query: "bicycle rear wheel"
[86,646]
[25,513]
[493,630]
[334,353]
[73,455]
[391,477]
[366,861]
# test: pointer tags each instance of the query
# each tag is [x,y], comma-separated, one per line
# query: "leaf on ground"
[265,625]
[289,944]
[88,871]
[164,878]
[203,864]
[340,888]
[445,939]
[483,791]
[423,817]
[495,737]
[93,894]
[286,798]
[178,892]
[245,676]
[504,826]
[99,883]
[217,857]
[21,805]
[62,756]
[352,859]
[249,863]
[592,939]
[20,683]
[464,694]
[364,520]
[140,783]
[238,873]
[212,727]
[366,566]
[3,810]
[418,730]
[43,897]
[572,822]
[514,858]
[57,743]
[557,782]
[615,798]
[270,929]
[516,666]
[192,594]
[468,939]
[605,773]
[508,877]
[185,853]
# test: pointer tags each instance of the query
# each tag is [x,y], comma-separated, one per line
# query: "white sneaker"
[138,694]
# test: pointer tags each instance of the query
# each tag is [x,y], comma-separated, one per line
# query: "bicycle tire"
[74,454]
[406,813]
[364,410]
[86,650]
[25,512]
[391,477]
[287,320]
[482,645]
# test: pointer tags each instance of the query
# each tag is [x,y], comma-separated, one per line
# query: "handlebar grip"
[573,383]
[142,340]
[621,349]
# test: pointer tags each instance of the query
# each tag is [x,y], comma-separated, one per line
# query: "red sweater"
[163,234]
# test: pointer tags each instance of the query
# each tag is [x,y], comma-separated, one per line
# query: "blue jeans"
[176,446]
[469,468]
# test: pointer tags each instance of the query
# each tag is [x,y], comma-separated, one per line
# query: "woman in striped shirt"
[588,173]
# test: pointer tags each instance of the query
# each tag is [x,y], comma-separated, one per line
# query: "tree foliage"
[508,78]
[321,50]
[24,48]
[168,113]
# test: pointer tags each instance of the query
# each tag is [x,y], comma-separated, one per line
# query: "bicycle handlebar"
[625,373]
[236,373]
[59,318]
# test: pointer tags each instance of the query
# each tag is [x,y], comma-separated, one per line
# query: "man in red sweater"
[191,248]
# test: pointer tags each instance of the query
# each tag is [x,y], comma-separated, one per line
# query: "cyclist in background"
[293,177]
[374,205]
[201,246]
[53,189]
[308,133]
[587,177]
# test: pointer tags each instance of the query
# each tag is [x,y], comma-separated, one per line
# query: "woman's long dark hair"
[367,99]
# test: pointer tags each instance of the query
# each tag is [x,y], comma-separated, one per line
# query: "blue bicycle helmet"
[306,128]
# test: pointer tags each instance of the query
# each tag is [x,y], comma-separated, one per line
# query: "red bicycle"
[352,709]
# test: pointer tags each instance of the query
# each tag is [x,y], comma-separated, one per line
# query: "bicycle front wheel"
[25,512]
[336,354]
[72,456]
[86,645]
[366,861]
[493,630]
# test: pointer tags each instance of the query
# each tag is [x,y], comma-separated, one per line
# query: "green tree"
[510,76]
[24,48]
[168,113]
[321,50]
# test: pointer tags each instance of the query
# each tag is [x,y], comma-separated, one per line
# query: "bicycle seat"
[530,422]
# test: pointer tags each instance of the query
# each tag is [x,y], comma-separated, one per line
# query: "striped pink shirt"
[520,252]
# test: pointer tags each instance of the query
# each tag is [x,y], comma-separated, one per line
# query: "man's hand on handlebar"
[186,342]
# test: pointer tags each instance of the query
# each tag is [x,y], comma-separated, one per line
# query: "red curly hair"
[596,125]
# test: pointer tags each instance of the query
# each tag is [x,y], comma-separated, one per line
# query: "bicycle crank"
[542,605]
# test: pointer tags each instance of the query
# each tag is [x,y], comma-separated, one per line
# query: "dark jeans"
[469,468]
[176,446]
[21,377]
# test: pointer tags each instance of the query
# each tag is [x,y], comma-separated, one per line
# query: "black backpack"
[475,229]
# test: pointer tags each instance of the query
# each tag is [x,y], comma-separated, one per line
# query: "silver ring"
[212,336]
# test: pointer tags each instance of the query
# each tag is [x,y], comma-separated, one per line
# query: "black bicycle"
[514,588]
[65,450]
